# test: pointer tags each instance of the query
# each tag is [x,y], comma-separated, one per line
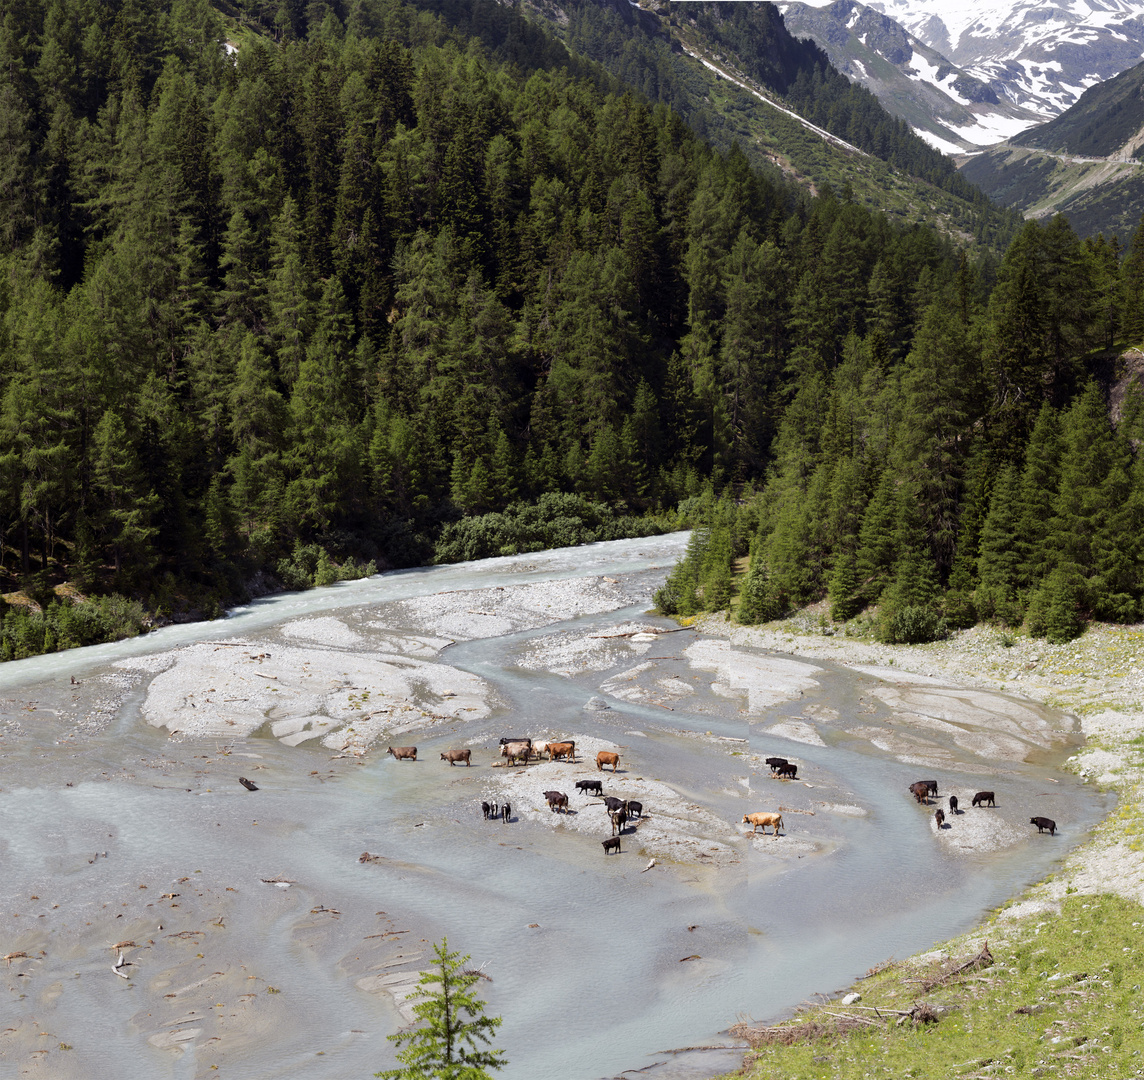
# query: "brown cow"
[557,800]
[607,757]
[515,751]
[983,797]
[920,791]
[562,749]
[611,844]
[774,820]
[453,756]
[619,820]
[403,753]
[939,817]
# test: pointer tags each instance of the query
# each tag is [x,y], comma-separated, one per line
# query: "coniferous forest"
[373,291]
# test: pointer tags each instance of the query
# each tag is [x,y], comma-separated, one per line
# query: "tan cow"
[562,749]
[516,751]
[607,757]
[453,756]
[403,753]
[774,820]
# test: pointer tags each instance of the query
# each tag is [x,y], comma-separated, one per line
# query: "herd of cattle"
[620,811]
[923,789]
[522,748]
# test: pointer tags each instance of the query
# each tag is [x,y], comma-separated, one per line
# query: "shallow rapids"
[162,919]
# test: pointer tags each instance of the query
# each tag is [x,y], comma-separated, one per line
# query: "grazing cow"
[920,791]
[619,820]
[453,756]
[590,785]
[611,844]
[562,749]
[557,800]
[775,762]
[932,785]
[1044,823]
[403,753]
[760,819]
[983,797]
[607,757]
[506,813]
[953,804]
[788,770]
[514,751]
[939,817]
[612,804]
[633,807]
[486,810]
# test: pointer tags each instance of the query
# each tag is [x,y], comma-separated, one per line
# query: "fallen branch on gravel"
[981,960]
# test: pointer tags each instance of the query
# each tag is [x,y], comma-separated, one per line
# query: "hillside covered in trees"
[335,299]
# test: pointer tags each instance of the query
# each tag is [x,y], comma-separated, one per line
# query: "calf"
[506,812]
[514,751]
[939,817]
[619,820]
[1044,823]
[633,807]
[612,804]
[983,797]
[562,750]
[788,770]
[920,791]
[775,762]
[761,819]
[453,756]
[611,844]
[403,753]
[953,804]
[607,757]
[590,785]
[557,800]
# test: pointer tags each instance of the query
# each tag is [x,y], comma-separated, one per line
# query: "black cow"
[1044,823]
[506,812]
[939,817]
[953,804]
[505,742]
[634,808]
[932,785]
[775,762]
[788,770]
[611,844]
[612,804]
[486,810]
[585,786]
[983,797]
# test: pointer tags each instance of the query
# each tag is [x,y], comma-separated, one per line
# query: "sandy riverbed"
[257,934]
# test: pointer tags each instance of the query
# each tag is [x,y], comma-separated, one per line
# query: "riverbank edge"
[1099,680]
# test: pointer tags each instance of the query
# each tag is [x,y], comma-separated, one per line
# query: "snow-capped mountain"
[1034,56]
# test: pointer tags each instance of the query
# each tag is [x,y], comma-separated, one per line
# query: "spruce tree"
[452,1033]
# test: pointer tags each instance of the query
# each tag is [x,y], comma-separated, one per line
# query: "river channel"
[162,920]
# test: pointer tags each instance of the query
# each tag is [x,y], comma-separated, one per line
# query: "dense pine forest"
[370,290]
